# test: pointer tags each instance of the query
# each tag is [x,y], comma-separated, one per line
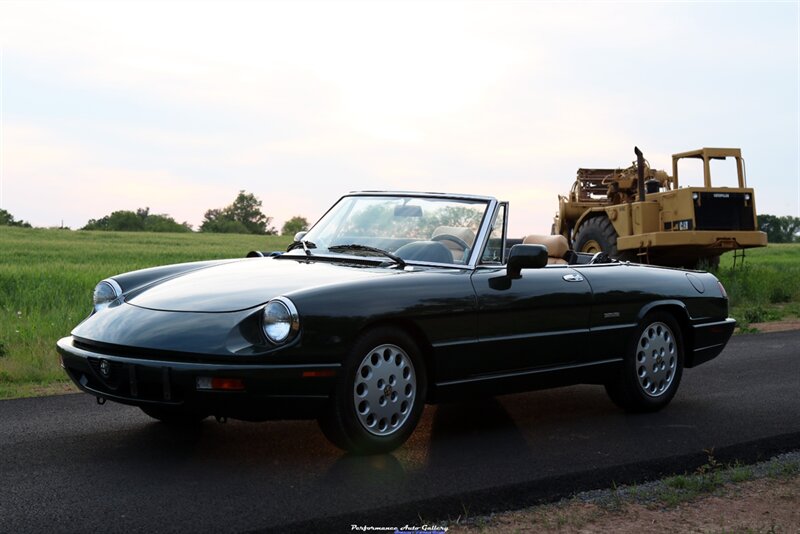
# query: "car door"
[538,320]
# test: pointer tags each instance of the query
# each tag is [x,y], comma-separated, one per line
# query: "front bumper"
[270,391]
[709,240]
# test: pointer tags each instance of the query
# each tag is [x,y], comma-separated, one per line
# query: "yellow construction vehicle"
[643,215]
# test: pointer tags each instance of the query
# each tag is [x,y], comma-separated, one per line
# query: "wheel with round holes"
[653,365]
[379,397]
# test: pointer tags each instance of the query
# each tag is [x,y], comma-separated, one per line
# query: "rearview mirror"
[525,257]
[408,211]
[300,235]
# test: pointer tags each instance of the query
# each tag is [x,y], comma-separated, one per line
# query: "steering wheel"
[458,241]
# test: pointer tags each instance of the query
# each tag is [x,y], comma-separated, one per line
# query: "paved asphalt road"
[69,465]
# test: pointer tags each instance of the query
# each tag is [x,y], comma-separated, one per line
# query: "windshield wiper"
[302,243]
[364,248]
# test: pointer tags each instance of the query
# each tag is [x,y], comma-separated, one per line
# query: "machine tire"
[595,235]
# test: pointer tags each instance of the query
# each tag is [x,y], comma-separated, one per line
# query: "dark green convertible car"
[390,301]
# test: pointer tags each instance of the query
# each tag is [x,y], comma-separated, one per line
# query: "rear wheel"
[378,401]
[595,235]
[174,415]
[652,368]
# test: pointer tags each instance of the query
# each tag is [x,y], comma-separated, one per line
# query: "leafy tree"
[460,216]
[165,223]
[6,219]
[218,222]
[97,224]
[138,221]
[783,229]
[244,216]
[125,221]
[294,225]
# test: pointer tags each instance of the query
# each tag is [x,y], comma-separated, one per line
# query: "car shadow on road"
[480,428]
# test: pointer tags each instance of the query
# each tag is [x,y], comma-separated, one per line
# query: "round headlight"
[279,320]
[105,293]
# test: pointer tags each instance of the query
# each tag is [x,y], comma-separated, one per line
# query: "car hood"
[244,284]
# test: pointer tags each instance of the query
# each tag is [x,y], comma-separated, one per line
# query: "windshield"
[433,230]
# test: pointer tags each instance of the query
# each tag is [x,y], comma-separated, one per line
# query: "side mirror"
[525,257]
[300,235]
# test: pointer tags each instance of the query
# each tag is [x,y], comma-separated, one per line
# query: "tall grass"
[47,278]
[766,287]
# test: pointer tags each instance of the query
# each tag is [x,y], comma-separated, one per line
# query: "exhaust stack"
[640,171]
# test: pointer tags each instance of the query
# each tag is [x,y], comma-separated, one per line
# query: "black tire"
[174,416]
[596,234]
[630,389]
[375,354]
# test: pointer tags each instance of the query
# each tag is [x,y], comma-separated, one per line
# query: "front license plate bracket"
[165,384]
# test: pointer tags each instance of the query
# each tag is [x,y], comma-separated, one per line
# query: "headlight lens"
[279,320]
[104,294]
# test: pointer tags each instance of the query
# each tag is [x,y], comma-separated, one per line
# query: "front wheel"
[652,367]
[379,398]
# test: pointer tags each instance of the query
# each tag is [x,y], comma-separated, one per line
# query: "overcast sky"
[178,106]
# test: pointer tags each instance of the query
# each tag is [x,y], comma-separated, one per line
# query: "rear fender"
[678,310]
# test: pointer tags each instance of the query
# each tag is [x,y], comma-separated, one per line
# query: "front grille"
[724,211]
[134,381]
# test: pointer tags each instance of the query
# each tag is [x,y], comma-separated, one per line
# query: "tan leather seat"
[557,246]
[465,234]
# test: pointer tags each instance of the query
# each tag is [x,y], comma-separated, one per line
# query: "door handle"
[573,277]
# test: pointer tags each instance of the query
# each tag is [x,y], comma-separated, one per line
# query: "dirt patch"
[26,389]
[768,504]
[757,506]
[777,326]
[57,388]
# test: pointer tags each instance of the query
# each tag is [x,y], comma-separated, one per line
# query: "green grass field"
[767,287]
[47,277]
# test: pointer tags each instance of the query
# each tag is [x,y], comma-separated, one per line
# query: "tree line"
[242,216]
[785,229]
[6,219]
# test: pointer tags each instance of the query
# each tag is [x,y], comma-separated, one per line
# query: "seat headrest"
[556,245]
[432,251]
[465,234]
